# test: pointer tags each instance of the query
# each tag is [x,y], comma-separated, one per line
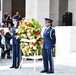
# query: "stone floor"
[27,68]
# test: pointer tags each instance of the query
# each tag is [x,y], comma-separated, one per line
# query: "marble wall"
[65,44]
[39,9]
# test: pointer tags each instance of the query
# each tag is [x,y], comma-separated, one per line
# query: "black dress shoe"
[12,67]
[44,71]
[16,67]
[9,57]
[2,57]
[50,72]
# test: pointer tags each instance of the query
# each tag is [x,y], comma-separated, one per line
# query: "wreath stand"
[35,57]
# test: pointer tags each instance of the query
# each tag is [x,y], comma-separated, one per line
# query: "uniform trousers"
[48,59]
[16,55]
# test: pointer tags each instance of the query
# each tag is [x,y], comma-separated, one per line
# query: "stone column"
[54,11]
[72,8]
[38,9]
[43,10]
[1,12]
[31,9]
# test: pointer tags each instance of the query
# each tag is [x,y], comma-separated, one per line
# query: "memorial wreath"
[29,33]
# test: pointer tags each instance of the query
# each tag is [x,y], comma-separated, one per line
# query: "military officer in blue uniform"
[48,45]
[15,44]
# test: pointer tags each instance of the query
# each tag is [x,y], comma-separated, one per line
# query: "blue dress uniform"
[49,42]
[15,48]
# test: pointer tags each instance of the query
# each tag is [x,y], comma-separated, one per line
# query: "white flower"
[28,34]
[30,37]
[26,44]
[31,46]
[24,35]
[34,48]
[29,51]
[28,31]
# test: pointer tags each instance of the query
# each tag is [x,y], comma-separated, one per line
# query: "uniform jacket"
[14,36]
[49,38]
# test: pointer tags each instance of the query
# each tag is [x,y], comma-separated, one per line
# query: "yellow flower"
[29,31]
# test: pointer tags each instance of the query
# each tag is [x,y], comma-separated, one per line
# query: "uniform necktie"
[45,30]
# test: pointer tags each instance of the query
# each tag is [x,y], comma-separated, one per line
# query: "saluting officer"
[15,44]
[49,42]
